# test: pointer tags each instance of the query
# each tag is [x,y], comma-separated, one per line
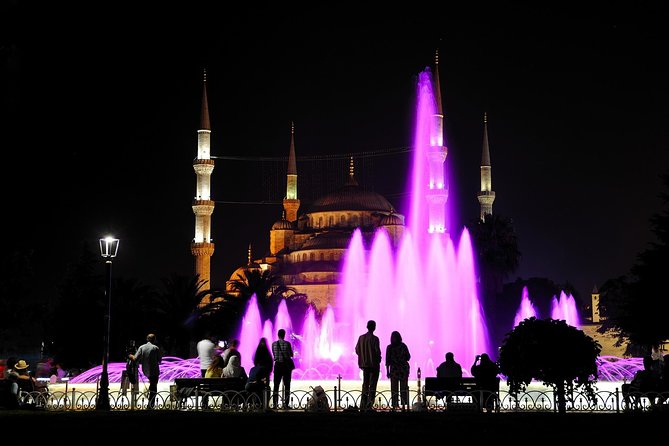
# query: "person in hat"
[24,380]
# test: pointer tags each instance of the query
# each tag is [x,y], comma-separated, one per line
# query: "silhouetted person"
[149,356]
[485,371]
[397,368]
[369,360]
[449,368]
[232,350]
[644,381]
[283,367]
[451,372]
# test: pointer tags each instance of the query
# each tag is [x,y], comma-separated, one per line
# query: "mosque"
[306,246]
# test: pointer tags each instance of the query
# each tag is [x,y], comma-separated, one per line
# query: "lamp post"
[108,250]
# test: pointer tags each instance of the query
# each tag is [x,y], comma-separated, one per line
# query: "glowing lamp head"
[108,247]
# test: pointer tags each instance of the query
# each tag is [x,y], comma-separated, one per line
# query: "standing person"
[283,367]
[485,371]
[369,360]
[397,368]
[149,356]
[206,351]
[232,350]
[263,357]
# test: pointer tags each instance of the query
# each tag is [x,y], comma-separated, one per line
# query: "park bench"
[461,394]
[190,387]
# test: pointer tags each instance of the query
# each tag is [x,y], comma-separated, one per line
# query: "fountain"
[563,308]
[425,288]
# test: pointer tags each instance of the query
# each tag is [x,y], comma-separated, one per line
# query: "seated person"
[26,382]
[644,381]
[234,369]
[215,369]
[258,382]
[451,372]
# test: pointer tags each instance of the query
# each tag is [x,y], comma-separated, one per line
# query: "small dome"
[282,224]
[392,220]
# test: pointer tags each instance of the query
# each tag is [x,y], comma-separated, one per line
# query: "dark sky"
[100,115]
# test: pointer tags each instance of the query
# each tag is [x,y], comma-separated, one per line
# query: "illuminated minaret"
[487,195]
[438,193]
[291,204]
[202,248]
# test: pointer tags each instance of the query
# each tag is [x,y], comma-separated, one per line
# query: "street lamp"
[108,250]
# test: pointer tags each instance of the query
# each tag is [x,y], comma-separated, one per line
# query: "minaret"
[202,248]
[595,305]
[487,195]
[291,204]
[438,193]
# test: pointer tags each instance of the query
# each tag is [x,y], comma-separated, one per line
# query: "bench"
[189,387]
[462,394]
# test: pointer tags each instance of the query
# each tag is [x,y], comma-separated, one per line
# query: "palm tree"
[177,309]
[496,247]
[267,285]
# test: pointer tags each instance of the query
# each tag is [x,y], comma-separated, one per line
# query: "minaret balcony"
[203,161]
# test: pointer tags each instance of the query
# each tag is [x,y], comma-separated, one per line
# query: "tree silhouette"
[553,352]
[637,306]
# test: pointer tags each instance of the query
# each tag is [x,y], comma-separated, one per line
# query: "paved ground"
[74,428]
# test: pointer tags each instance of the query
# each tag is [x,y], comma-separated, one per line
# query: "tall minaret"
[202,248]
[487,195]
[291,204]
[438,194]
[594,300]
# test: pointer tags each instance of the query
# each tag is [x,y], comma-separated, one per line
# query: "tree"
[177,310]
[76,329]
[497,251]
[553,352]
[637,306]
[267,285]
[22,310]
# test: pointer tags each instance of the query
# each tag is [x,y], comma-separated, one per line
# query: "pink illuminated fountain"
[526,309]
[563,308]
[425,288]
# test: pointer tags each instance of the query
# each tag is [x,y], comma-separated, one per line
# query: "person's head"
[395,337]
[233,362]
[234,343]
[450,356]
[281,333]
[485,357]
[371,325]
[151,338]
[21,366]
[647,362]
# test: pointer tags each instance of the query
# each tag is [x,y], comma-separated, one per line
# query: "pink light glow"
[526,309]
[426,288]
[565,309]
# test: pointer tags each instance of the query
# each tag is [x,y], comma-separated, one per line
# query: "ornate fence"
[349,400]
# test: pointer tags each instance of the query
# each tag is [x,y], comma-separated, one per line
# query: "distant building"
[306,246]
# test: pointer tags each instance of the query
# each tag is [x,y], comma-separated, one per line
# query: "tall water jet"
[565,309]
[526,309]
[425,287]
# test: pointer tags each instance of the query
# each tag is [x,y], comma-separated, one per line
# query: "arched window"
[320,222]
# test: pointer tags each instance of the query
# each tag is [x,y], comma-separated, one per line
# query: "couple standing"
[368,350]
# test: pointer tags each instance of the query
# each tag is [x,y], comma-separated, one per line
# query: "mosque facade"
[307,246]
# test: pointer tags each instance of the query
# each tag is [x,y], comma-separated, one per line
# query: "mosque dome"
[282,224]
[392,220]
[351,198]
[328,240]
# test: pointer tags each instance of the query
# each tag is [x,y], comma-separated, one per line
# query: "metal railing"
[349,400]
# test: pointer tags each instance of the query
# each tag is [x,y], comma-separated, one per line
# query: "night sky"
[99,122]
